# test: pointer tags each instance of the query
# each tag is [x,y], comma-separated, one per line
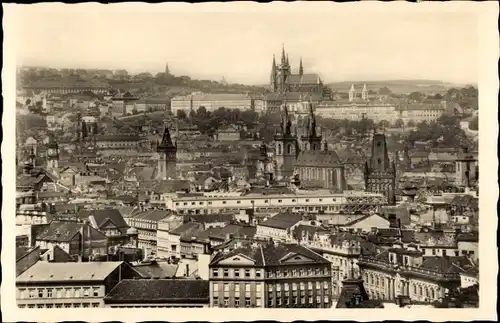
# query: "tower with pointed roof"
[52,154]
[380,172]
[286,147]
[364,93]
[167,70]
[301,68]
[274,76]
[352,93]
[311,140]
[167,157]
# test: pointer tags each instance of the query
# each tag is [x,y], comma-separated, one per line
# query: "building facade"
[270,276]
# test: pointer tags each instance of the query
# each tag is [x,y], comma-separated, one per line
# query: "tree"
[384,124]
[411,123]
[399,123]
[181,114]
[416,96]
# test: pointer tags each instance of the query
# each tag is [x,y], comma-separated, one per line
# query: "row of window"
[252,201]
[58,292]
[67,305]
[236,273]
[270,302]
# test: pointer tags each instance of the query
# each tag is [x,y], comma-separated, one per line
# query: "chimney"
[187,270]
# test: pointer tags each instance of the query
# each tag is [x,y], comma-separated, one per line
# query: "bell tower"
[52,154]
[286,147]
[312,140]
[167,157]
[380,173]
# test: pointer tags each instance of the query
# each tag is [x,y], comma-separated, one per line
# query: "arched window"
[289,149]
[279,149]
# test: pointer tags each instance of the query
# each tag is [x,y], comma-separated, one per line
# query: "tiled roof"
[62,231]
[270,254]
[282,221]
[159,291]
[156,270]
[68,272]
[468,236]
[23,262]
[151,215]
[465,201]
[187,228]
[305,79]
[447,264]
[318,158]
[101,216]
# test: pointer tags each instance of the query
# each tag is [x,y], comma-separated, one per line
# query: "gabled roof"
[270,254]
[68,271]
[447,264]
[156,270]
[100,217]
[159,291]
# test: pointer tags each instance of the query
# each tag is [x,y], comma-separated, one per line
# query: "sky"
[340,45]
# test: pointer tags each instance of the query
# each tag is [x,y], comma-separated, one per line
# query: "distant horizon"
[348,81]
[338,44]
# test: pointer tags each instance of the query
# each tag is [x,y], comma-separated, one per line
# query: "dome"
[132,231]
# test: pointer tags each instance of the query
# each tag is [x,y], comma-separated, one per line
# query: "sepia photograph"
[274,157]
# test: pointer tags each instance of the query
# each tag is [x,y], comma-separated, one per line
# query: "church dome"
[132,231]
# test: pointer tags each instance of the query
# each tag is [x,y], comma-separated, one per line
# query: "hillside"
[397,86]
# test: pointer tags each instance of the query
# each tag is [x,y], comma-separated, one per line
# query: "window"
[258,288]
[247,272]
[48,305]
[318,299]
[317,271]
[294,272]
[318,285]
[279,201]
[287,301]
[270,302]
[76,305]
[247,288]
[49,292]
[286,286]
[278,287]
[269,288]
[307,200]
[294,286]
[223,202]
[302,300]
[285,273]
[226,287]
[215,272]
[95,292]
[258,302]
[295,300]
[238,202]
[309,285]
[302,286]
[226,301]
[58,305]
[247,301]
[86,292]
[279,301]
[77,292]
[309,271]
[236,273]
[444,252]
[325,285]
[40,293]
[433,252]
[95,304]
[237,288]
[226,272]
[257,273]
[326,299]
[237,302]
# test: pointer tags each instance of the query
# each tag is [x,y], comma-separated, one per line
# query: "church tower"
[273,78]
[286,147]
[167,161]
[167,70]
[283,71]
[301,68]
[52,154]
[380,173]
[364,93]
[312,140]
[352,93]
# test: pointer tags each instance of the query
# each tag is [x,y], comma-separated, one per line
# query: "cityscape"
[140,189]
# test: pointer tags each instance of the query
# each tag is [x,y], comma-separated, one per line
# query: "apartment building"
[70,284]
[211,101]
[405,271]
[355,111]
[270,276]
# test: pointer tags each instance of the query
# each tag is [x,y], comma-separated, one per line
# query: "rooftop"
[70,271]
[159,291]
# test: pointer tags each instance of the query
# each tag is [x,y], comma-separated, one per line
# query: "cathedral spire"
[166,141]
[167,70]
[273,74]
[283,54]
[301,68]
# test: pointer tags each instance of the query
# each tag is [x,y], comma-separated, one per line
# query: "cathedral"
[283,80]
[380,173]
[308,160]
